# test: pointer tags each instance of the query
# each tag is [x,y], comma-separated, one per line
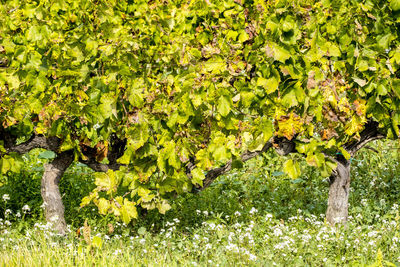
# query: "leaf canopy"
[194,83]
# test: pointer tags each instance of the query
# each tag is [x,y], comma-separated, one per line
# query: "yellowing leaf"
[243,36]
[103,206]
[214,66]
[231,35]
[355,125]
[86,200]
[220,153]
[97,242]
[316,159]
[334,50]
[292,168]
[106,181]
[289,126]
[4,165]
[163,206]
[203,159]
[128,211]
[360,82]
[345,154]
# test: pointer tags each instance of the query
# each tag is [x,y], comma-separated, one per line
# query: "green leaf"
[331,165]
[290,99]
[33,34]
[224,106]
[220,153]
[87,199]
[47,155]
[384,40]
[237,164]
[266,126]
[396,87]
[136,97]
[288,24]
[395,5]
[396,123]
[107,106]
[141,230]
[281,54]
[277,173]
[197,176]
[292,169]
[381,89]
[127,156]
[203,159]
[270,85]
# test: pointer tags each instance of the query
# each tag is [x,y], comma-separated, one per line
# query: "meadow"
[255,216]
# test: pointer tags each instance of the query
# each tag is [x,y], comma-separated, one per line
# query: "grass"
[252,217]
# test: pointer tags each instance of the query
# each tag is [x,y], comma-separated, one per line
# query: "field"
[255,216]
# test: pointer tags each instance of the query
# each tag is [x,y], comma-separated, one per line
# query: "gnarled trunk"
[53,206]
[339,187]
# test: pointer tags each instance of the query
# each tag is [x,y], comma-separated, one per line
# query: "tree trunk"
[53,206]
[339,186]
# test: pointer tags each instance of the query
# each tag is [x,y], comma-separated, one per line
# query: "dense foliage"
[158,94]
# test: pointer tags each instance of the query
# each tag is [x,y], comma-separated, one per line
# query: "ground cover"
[255,216]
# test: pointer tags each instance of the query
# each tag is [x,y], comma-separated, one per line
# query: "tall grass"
[255,216]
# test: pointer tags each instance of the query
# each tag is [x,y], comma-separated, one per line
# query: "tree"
[162,97]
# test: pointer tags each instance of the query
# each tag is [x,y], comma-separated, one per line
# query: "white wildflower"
[253,210]
[277,232]
[26,208]
[252,257]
